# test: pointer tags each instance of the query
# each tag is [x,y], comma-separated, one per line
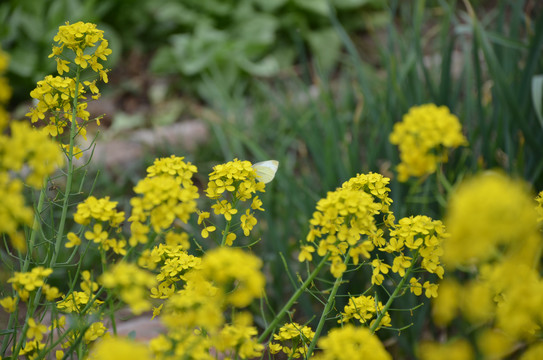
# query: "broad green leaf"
[326,46]
[123,121]
[266,67]
[23,61]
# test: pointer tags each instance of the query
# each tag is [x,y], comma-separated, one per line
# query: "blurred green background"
[314,84]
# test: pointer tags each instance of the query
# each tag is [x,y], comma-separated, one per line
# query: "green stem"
[36,224]
[394,295]
[292,299]
[69,175]
[325,312]
[225,233]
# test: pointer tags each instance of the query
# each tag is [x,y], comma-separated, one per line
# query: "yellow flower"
[424,136]
[351,342]
[96,330]
[415,286]
[364,309]
[430,289]
[455,350]
[230,239]
[116,348]
[488,216]
[162,201]
[248,221]
[293,339]
[305,253]
[97,235]
[345,218]
[8,303]
[132,283]
[35,330]
[73,240]
[225,208]
[98,209]
[30,281]
[235,272]
[236,177]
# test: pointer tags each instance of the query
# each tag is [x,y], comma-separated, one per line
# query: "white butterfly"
[266,170]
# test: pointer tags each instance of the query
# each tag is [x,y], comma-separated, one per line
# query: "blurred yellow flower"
[424,137]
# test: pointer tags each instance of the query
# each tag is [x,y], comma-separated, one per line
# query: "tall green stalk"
[292,299]
[327,308]
[69,175]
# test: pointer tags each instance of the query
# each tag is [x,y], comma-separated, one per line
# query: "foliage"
[191,38]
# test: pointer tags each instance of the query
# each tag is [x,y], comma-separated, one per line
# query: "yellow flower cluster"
[293,340]
[226,278]
[117,348]
[239,339]
[459,349]
[350,342]
[229,184]
[235,273]
[340,222]
[104,214]
[26,283]
[421,237]
[364,309]
[174,166]
[424,137]
[235,177]
[101,210]
[486,214]
[167,193]
[80,37]
[29,149]
[131,283]
[375,185]
[24,152]
[77,301]
[174,262]
[495,237]
[56,94]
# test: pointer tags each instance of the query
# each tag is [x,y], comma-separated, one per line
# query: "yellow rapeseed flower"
[293,339]
[455,350]
[487,215]
[344,220]
[350,342]
[424,137]
[117,348]
[234,272]
[132,283]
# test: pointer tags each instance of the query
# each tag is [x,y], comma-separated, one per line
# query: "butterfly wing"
[266,170]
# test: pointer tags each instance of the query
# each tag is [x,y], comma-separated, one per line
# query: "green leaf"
[23,61]
[266,67]
[326,46]
[537,97]
[124,121]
